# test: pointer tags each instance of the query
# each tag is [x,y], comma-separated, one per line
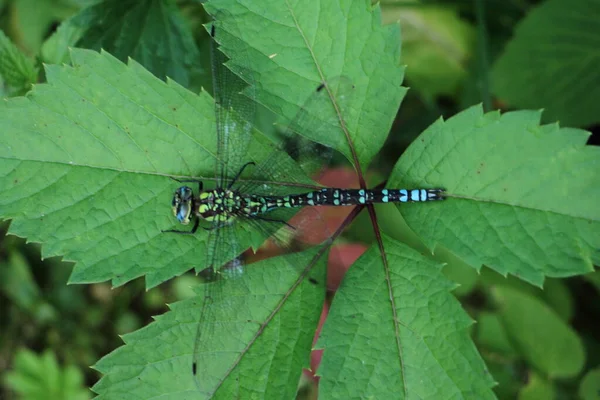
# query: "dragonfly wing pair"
[230,319]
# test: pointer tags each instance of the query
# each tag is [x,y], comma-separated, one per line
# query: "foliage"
[436,46]
[551,62]
[17,71]
[86,161]
[42,378]
[151,32]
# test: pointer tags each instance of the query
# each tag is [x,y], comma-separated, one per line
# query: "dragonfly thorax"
[209,205]
[218,204]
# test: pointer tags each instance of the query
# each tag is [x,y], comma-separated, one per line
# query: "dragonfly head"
[183,204]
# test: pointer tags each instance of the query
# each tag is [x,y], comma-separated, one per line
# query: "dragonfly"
[258,195]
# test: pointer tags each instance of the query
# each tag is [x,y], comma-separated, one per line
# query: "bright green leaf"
[523,196]
[527,322]
[262,342]
[552,62]
[16,69]
[395,331]
[392,223]
[85,165]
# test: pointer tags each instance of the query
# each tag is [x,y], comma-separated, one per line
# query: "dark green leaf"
[552,62]
[525,194]
[590,385]
[152,32]
[395,331]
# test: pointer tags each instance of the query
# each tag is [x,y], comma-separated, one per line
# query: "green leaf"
[590,385]
[296,46]
[436,46]
[395,331]
[554,293]
[17,282]
[523,197]
[263,340]
[464,275]
[86,163]
[527,322]
[33,19]
[552,62]
[392,223]
[537,388]
[151,32]
[84,168]
[508,382]
[558,296]
[16,69]
[85,172]
[40,377]
[491,335]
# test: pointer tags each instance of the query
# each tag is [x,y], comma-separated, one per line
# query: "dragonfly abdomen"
[344,197]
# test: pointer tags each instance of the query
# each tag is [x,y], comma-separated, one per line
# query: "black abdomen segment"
[335,197]
[349,197]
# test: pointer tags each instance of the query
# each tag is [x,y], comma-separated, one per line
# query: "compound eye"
[182,204]
[183,212]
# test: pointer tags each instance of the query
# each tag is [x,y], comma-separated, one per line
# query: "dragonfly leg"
[239,173]
[194,229]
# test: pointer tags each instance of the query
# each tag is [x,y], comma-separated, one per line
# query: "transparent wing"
[234,114]
[234,111]
[213,350]
[238,307]
[322,118]
[291,165]
[222,335]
